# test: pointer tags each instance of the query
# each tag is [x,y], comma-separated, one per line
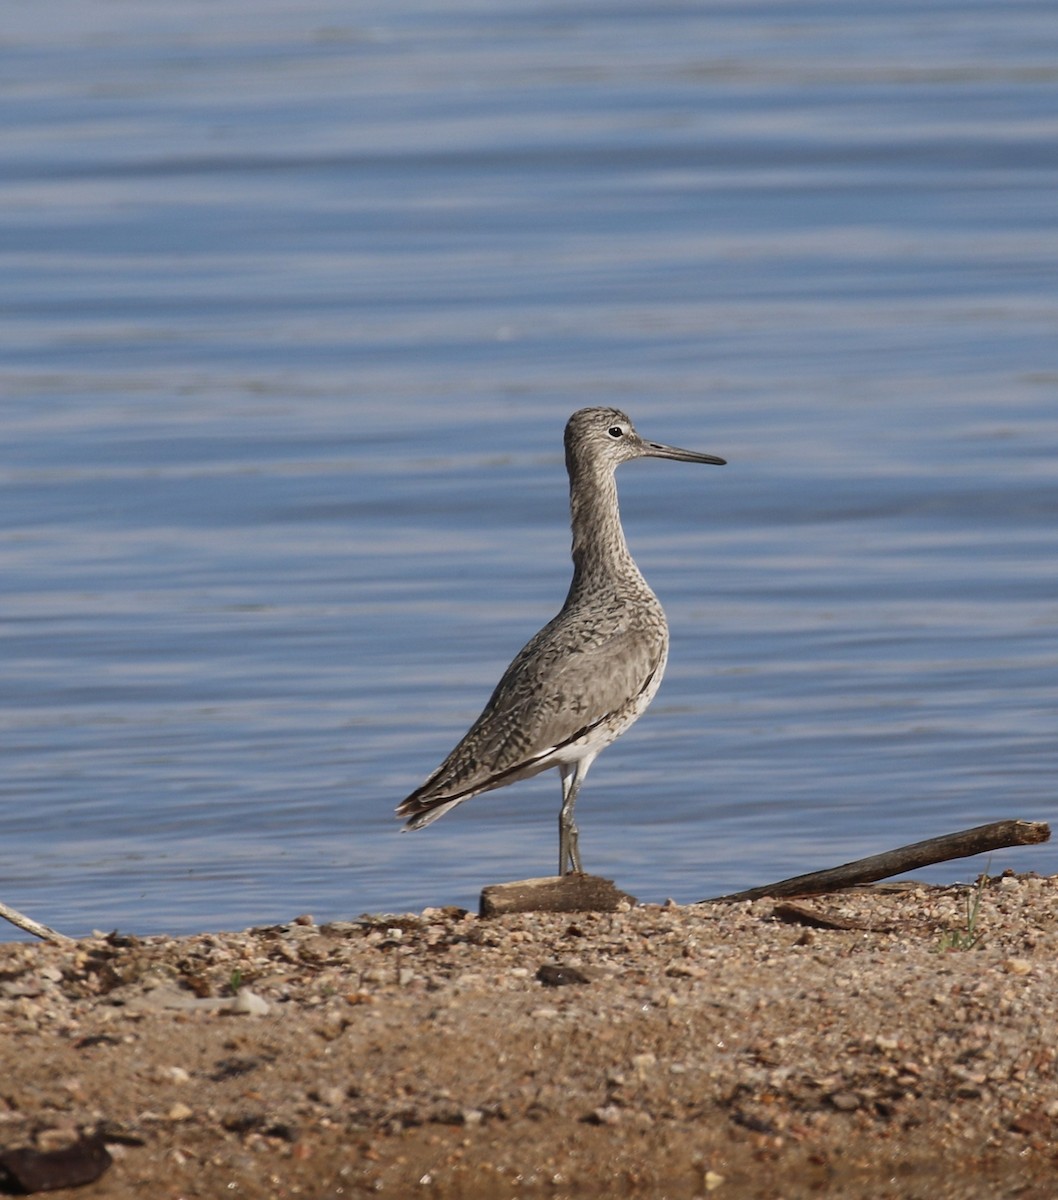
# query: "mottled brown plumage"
[591,671]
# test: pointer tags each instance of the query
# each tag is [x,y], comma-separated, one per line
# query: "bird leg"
[568,835]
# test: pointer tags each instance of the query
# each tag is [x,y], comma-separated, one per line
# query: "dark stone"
[48,1170]
[557,975]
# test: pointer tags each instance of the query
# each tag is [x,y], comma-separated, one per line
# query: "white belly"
[585,748]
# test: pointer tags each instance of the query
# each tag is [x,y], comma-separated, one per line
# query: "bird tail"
[422,812]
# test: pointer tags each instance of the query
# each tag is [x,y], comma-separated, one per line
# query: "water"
[296,300]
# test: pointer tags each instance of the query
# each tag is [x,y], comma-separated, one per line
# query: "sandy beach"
[679,1051]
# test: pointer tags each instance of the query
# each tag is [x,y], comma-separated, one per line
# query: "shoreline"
[702,1049]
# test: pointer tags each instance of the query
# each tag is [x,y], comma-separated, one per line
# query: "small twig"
[817,918]
[31,926]
[963,844]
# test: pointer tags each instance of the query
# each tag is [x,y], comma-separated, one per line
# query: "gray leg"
[568,837]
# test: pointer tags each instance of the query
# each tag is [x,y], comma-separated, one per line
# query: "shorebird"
[591,671]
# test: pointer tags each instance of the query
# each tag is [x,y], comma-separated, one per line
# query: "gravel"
[694,1050]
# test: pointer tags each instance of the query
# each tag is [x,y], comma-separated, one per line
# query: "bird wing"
[555,691]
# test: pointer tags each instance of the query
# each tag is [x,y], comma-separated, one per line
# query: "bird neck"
[600,551]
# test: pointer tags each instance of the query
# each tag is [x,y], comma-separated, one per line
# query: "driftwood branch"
[905,858]
[31,926]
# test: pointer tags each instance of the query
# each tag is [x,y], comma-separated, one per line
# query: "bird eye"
[615,431]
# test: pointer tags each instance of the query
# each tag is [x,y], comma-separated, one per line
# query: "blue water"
[296,300]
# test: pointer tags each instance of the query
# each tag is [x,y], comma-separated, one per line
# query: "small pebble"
[558,975]
[607,1114]
[249,1003]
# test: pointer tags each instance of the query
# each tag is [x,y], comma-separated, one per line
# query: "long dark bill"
[657,450]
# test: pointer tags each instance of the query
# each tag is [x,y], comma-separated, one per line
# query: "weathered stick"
[554,893]
[817,918]
[31,926]
[963,844]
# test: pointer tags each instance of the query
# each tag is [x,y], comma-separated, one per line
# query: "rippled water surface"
[296,301]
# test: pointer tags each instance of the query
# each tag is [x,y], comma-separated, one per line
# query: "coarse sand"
[666,1051]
